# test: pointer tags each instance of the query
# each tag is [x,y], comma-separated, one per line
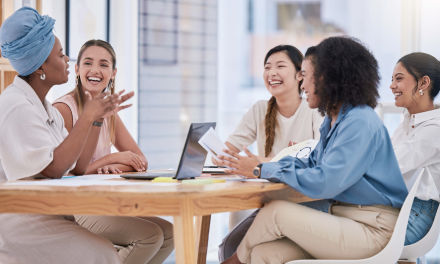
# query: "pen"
[213,151]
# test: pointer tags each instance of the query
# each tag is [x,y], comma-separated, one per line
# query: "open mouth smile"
[94,80]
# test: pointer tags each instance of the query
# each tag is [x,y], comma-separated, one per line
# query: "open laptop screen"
[193,155]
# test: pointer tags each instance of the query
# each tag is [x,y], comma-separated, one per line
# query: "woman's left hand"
[120,107]
[108,169]
[244,165]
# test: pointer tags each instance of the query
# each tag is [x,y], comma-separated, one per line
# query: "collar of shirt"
[424,116]
[43,108]
[325,128]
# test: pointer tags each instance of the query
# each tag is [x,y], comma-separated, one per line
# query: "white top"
[417,144]
[30,132]
[33,132]
[303,125]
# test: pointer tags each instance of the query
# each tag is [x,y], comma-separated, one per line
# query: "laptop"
[192,159]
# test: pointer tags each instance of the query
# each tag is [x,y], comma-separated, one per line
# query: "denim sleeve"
[343,163]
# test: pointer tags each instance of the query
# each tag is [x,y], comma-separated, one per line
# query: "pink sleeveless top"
[103,148]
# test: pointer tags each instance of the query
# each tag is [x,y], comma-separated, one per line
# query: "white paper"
[92,177]
[238,179]
[300,150]
[255,180]
[46,183]
[213,170]
[78,183]
[212,143]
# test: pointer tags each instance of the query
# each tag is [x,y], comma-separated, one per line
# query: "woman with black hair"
[415,84]
[273,124]
[353,165]
[285,118]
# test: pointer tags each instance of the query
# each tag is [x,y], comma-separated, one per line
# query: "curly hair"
[346,72]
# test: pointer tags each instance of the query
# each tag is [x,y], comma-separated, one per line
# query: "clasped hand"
[243,165]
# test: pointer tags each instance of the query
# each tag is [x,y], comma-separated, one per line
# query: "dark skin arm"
[70,149]
[91,142]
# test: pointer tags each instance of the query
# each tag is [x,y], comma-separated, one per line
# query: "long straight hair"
[270,121]
[79,93]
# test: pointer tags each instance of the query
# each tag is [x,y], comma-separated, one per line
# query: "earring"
[43,76]
[111,83]
[77,80]
[421,92]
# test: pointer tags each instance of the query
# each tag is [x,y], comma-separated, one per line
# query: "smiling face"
[280,76]
[402,86]
[308,85]
[95,69]
[55,67]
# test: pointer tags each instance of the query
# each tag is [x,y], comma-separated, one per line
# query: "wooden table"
[183,202]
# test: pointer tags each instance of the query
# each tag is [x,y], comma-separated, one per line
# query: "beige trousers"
[144,239]
[284,231]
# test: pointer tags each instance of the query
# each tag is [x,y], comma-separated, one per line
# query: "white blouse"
[303,125]
[417,144]
[30,132]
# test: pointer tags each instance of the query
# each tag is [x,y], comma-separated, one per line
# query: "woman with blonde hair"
[95,72]
[144,239]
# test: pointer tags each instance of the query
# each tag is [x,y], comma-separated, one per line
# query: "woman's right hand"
[130,159]
[99,106]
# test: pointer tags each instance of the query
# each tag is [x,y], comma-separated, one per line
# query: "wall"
[177,74]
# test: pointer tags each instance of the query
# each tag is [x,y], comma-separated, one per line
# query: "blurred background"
[202,60]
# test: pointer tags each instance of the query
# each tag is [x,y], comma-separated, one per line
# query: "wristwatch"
[96,123]
[257,170]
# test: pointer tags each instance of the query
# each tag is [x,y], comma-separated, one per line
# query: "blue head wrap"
[26,39]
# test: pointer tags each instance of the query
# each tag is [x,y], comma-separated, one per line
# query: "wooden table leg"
[202,224]
[184,242]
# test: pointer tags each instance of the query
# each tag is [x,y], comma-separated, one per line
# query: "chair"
[391,253]
[423,246]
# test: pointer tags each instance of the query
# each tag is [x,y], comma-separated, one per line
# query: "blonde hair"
[78,92]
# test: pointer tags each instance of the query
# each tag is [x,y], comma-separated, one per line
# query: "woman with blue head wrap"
[34,143]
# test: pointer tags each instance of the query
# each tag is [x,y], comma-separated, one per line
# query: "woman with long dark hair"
[415,84]
[353,165]
[285,118]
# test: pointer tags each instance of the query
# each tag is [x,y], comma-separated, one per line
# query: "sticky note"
[164,179]
[218,180]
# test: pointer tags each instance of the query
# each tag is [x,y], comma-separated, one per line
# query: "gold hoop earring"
[77,80]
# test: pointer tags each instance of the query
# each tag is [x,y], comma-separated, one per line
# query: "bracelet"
[98,124]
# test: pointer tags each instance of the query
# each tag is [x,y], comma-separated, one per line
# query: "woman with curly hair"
[273,124]
[353,165]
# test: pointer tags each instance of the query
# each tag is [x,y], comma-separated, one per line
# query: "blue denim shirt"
[354,162]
